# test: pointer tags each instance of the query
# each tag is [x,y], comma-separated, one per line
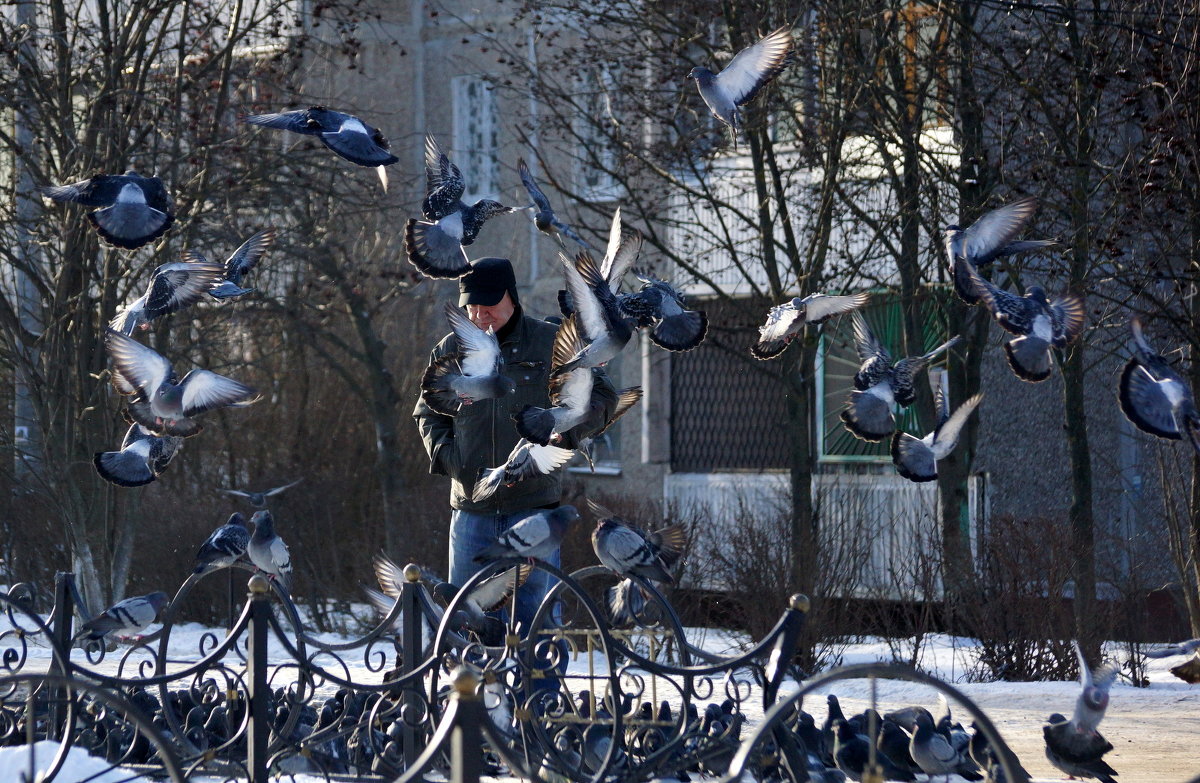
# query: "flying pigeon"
[597,312]
[627,551]
[742,78]
[435,245]
[124,618]
[224,547]
[240,263]
[267,550]
[657,306]
[1077,743]
[622,251]
[935,755]
[626,603]
[535,536]
[786,322]
[570,391]
[1075,756]
[1182,648]
[259,499]
[131,210]
[173,287]
[880,384]
[1154,396]
[527,460]
[916,458]
[160,403]
[473,373]
[987,239]
[143,458]
[543,215]
[1040,324]
[626,399]
[347,135]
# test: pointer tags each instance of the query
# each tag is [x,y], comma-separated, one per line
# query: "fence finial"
[465,683]
[412,572]
[258,584]
[799,602]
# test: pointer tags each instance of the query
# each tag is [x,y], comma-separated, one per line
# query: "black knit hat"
[486,283]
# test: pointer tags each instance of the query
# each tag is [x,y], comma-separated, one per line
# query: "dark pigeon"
[786,322]
[916,458]
[224,547]
[852,753]
[936,755]
[658,307]
[626,399]
[143,458]
[1154,396]
[347,135]
[543,214]
[131,210]
[570,392]
[743,77]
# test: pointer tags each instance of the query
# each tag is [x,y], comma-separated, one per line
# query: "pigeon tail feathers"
[1029,358]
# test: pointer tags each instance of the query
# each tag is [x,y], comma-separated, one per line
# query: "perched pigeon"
[987,239]
[347,135]
[543,215]
[1154,396]
[259,499]
[742,78]
[626,399]
[125,618]
[786,322]
[526,460]
[893,742]
[916,458]
[535,536]
[570,391]
[435,245]
[657,306]
[240,263]
[173,287]
[267,550]
[143,458]
[1076,756]
[597,312]
[1182,648]
[473,373]
[224,547]
[1040,324]
[160,403]
[852,754]
[985,756]
[880,384]
[131,210]
[935,755]
[627,551]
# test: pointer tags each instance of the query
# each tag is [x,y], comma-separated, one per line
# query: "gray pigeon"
[268,552]
[243,260]
[985,756]
[543,214]
[259,499]
[622,251]
[474,372]
[1154,396]
[603,327]
[627,551]
[173,287]
[916,458]
[347,135]
[626,399]
[1076,746]
[125,618]
[143,458]
[435,245]
[881,384]
[163,405]
[224,547]
[527,460]
[987,239]
[536,536]
[131,210]
[1182,648]
[934,754]
[1038,323]
[657,306]
[749,71]
[570,391]
[786,322]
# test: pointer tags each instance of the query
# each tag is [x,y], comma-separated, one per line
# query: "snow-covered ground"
[1155,730]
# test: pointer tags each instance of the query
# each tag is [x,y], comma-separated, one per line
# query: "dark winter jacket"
[482,434]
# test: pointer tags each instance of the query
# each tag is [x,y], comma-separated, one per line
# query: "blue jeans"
[471,532]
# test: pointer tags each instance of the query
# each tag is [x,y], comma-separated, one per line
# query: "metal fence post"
[412,632]
[466,739]
[62,622]
[259,729]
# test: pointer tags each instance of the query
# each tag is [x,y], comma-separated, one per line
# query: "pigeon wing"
[277,490]
[1145,403]
[204,390]
[176,285]
[140,368]
[988,235]
[588,311]
[492,592]
[866,342]
[358,143]
[1067,315]
[626,399]
[946,436]
[535,193]
[756,65]
[772,336]
[1014,313]
[98,191]
[479,351]
[434,248]
[821,307]
[621,253]
[294,121]
[248,254]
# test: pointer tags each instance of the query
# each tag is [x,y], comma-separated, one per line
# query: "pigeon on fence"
[143,458]
[240,263]
[435,245]
[474,372]
[786,322]
[488,596]
[535,536]
[259,499]
[173,287]
[987,239]
[131,210]
[627,551]
[1038,323]
[160,403]
[224,547]
[347,135]
[527,460]
[124,618]
[916,458]
[1154,396]
[543,214]
[268,552]
[743,77]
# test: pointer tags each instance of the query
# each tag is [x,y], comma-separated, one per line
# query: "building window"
[476,136]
